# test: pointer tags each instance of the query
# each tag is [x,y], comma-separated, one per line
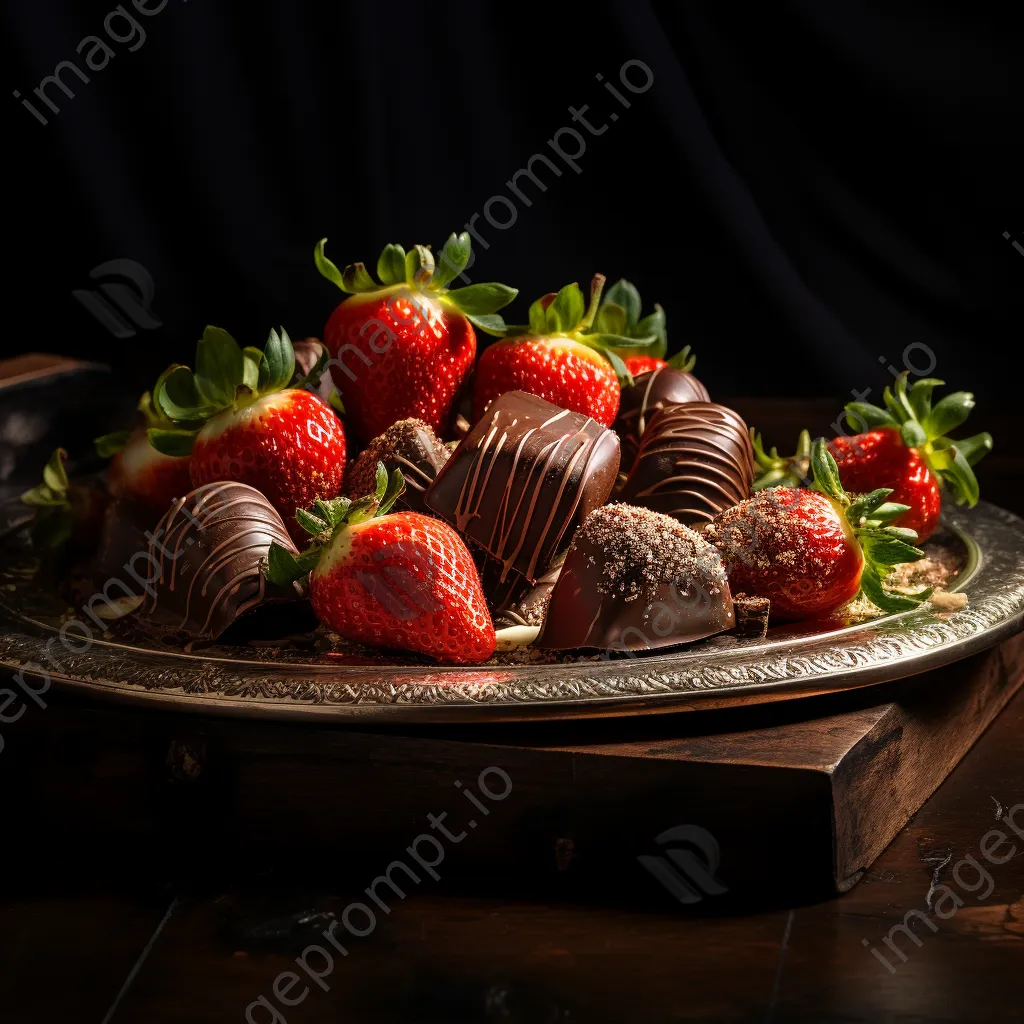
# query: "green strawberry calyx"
[619,315]
[925,427]
[565,314]
[325,519]
[108,445]
[418,269]
[226,376]
[54,518]
[870,516]
[774,470]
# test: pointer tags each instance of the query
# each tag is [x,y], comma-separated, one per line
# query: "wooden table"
[90,933]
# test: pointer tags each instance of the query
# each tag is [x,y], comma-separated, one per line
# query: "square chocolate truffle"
[524,478]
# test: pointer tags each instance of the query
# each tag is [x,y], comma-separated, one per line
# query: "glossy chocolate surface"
[648,393]
[205,559]
[522,480]
[694,461]
[635,580]
[408,445]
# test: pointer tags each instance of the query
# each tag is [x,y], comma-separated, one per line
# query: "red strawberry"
[880,458]
[404,349]
[403,580]
[811,551]
[906,448]
[643,364]
[239,420]
[557,357]
[137,471]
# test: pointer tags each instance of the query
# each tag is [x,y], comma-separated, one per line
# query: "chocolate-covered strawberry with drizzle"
[239,417]
[695,460]
[392,579]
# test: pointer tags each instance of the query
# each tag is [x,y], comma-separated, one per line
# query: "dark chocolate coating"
[408,445]
[515,598]
[206,553]
[123,548]
[523,478]
[695,460]
[642,583]
[648,393]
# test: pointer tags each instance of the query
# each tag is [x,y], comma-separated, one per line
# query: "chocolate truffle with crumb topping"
[408,445]
[636,580]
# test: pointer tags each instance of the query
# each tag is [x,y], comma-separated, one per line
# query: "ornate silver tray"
[720,672]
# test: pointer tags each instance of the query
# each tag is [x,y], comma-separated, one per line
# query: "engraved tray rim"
[707,676]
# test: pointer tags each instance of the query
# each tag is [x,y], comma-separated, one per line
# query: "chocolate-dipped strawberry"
[205,560]
[636,580]
[410,446]
[695,460]
[522,480]
[648,393]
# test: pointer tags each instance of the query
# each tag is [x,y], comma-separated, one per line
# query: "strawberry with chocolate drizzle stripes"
[562,356]
[403,349]
[239,418]
[402,580]
[810,551]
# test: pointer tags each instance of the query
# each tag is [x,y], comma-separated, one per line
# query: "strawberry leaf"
[867,504]
[251,366]
[391,264]
[685,362]
[566,311]
[395,488]
[654,323]
[176,396]
[380,482]
[336,403]
[913,434]
[975,448]
[955,469]
[220,367]
[313,525]
[949,414]
[826,474]
[419,266]
[861,416]
[109,445]
[921,396]
[482,299]
[625,295]
[312,379]
[283,567]
[177,443]
[610,319]
[327,268]
[333,510]
[277,364]
[357,279]
[55,472]
[452,261]
[492,323]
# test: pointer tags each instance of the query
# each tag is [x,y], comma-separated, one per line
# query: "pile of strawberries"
[404,345]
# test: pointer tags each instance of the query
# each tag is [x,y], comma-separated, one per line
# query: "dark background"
[806,187]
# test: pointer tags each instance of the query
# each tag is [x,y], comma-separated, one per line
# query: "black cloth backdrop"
[805,186]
